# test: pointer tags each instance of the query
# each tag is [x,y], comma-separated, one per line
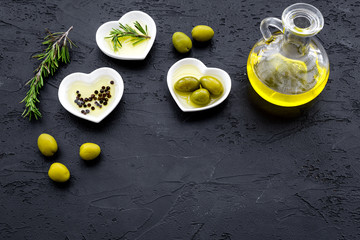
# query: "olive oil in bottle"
[289,68]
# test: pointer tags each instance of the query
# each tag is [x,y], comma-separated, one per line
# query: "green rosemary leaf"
[140,28]
[67,55]
[58,51]
[138,41]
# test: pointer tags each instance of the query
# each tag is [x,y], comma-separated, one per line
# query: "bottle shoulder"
[290,50]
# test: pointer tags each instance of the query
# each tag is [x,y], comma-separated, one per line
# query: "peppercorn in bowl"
[91,96]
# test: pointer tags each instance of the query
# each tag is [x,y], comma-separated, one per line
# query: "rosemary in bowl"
[136,35]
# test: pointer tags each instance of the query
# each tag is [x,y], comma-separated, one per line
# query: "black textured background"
[234,172]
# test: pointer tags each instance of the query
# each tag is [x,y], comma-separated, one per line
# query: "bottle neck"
[301,21]
[294,45]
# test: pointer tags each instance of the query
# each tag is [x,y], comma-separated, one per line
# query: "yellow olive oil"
[128,49]
[283,81]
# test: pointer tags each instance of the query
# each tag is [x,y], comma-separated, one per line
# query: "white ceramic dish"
[89,79]
[205,71]
[128,18]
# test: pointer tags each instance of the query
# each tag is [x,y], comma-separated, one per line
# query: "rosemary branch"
[57,51]
[127,31]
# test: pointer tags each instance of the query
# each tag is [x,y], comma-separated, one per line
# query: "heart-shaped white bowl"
[202,70]
[91,78]
[129,18]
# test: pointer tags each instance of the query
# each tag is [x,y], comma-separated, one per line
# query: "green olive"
[47,144]
[187,84]
[182,42]
[58,172]
[89,151]
[200,96]
[202,33]
[212,84]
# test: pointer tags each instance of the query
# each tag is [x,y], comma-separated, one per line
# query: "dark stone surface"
[234,172]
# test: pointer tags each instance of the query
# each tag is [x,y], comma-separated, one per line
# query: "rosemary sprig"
[57,51]
[127,31]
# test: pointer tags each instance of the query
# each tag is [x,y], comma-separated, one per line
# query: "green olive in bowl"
[200,96]
[187,84]
[212,84]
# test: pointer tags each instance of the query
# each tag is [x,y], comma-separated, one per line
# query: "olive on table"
[58,172]
[47,144]
[187,84]
[202,33]
[181,42]
[200,96]
[89,151]
[212,84]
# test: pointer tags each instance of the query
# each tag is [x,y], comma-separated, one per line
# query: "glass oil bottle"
[290,67]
